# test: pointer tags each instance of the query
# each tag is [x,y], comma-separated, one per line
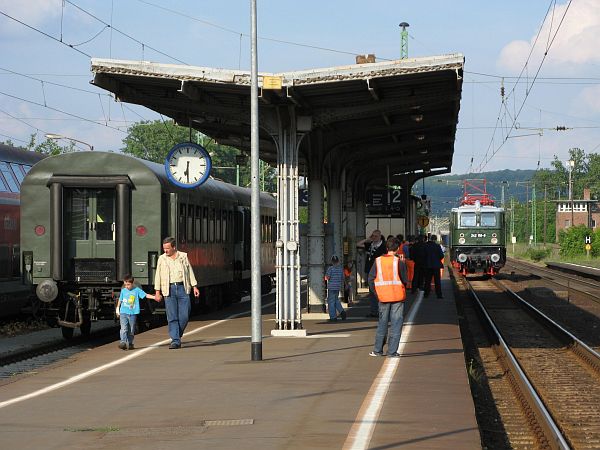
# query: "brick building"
[584,212]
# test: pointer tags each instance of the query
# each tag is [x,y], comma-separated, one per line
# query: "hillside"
[446,190]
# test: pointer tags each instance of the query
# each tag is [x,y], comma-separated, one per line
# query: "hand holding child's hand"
[117,312]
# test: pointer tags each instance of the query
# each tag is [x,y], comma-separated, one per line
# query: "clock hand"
[187,171]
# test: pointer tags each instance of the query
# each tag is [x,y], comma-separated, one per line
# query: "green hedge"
[572,241]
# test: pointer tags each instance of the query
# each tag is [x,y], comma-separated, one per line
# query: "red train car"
[14,165]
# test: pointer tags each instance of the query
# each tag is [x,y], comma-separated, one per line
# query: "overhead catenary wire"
[487,158]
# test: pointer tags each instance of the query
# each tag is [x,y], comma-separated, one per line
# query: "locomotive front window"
[468,219]
[488,219]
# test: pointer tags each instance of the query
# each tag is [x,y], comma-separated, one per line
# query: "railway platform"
[320,391]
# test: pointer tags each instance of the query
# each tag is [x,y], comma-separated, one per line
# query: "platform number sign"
[302,197]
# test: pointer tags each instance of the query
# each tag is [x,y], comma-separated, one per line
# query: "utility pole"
[570,165]
[404,40]
[533,216]
[512,223]
[545,217]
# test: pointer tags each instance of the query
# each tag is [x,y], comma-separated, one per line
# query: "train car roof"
[106,164]
[19,155]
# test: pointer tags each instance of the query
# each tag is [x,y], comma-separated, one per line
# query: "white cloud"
[32,12]
[589,100]
[575,44]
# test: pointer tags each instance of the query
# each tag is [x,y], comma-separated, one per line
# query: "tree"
[47,147]
[153,140]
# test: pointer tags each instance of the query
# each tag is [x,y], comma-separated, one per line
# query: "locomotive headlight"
[461,240]
[495,257]
[462,258]
[494,240]
[461,235]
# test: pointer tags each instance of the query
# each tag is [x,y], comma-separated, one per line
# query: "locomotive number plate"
[478,235]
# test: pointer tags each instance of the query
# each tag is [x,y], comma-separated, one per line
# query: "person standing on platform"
[418,256]
[348,291]
[388,278]
[374,247]
[335,282]
[128,307]
[174,279]
[434,257]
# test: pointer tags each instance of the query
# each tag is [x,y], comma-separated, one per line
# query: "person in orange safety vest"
[387,279]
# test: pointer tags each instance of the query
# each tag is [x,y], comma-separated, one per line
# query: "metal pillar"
[288,315]
[360,235]
[316,243]
[334,212]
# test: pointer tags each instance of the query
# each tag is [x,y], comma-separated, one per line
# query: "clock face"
[188,165]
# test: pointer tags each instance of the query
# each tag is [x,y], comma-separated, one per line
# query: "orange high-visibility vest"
[388,285]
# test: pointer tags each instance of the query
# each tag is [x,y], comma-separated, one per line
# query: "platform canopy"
[398,115]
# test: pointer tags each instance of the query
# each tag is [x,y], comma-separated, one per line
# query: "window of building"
[593,223]
[567,223]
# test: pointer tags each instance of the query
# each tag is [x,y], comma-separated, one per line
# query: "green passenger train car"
[477,238]
[90,218]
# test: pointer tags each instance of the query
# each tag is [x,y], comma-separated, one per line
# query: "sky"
[544,53]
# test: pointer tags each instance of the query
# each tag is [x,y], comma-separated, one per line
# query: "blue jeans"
[394,313]
[127,322]
[333,303]
[178,308]
[373,303]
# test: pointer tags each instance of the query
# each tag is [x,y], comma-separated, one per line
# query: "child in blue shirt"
[128,308]
[335,282]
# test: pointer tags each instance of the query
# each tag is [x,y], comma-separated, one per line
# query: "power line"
[486,159]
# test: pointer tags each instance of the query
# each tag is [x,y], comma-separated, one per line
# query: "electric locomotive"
[477,232]
[90,218]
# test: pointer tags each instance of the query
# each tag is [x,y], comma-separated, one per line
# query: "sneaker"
[332,320]
[375,354]
[394,355]
[174,346]
[122,345]
[131,347]
[343,315]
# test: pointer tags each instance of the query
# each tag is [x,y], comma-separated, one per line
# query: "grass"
[521,252]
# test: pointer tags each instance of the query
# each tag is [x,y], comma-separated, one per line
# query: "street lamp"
[60,136]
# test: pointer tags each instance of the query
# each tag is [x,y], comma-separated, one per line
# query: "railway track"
[570,282]
[34,357]
[556,376]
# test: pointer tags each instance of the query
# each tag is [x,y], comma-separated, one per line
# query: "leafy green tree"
[47,147]
[153,140]
[572,240]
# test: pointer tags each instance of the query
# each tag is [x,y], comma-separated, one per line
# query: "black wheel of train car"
[67,332]
[266,285]
[86,326]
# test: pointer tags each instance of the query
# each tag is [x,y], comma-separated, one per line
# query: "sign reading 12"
[188,165]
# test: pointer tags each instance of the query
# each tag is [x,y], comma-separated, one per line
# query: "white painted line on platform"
[117,362]
[328,335]
[361,432]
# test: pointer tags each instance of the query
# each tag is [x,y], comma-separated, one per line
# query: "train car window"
[9,177]
[262,229]
[4,261]
[239,227]
[229,225]
[3,185]
[218,225]
[205,224]
[224,224]
[76,215]
[105,215]
[182,231]
[197,224]
[190,224]
[488,219]
[18,172]
[468,219]
[211,226]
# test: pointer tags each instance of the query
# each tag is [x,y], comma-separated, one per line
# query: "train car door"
[89,223]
